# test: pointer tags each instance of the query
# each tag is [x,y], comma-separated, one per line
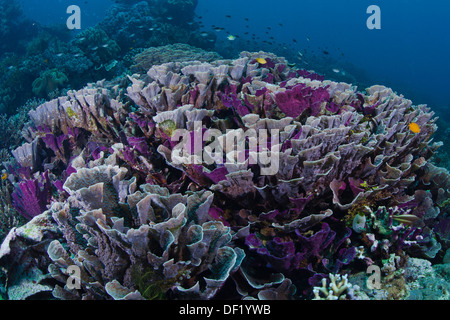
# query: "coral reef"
[417,279]
[48,82]
[154,23]
[13,22]
[40,71]
[178,52]
[284,185]
[99,52]
[97,46]
[8,215]
[338,287]
[165,241]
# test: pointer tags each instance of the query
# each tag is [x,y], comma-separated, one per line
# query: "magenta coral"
[31,197]
[300,98]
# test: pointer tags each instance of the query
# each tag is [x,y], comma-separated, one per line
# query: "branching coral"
[338,288]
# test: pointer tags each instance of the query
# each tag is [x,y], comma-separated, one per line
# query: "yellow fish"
[4,176]
[261,60]
[414,127]
[231,37]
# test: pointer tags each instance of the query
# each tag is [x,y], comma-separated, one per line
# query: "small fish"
[414,127]
[228,16]
[300,54]
[231,37]
[308,39]
[105,45]
[169,18]
[59,54]
[261,60]
[4,176]
[336,70]
[45,60]
[204,34]
[218,29]
[325,52]
[77,55]
[408,219]
[94,48]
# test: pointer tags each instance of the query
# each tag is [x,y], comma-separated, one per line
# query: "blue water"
[409,53]
[50,12]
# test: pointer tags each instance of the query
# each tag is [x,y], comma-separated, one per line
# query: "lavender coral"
[324,179]
[140,233]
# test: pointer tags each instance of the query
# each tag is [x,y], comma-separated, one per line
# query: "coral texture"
[178,52]
[324,181]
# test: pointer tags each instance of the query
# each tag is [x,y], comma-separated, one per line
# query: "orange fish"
[414,127]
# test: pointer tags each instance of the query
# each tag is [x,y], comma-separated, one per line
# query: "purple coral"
[293,102]
[310,75]
[279,254]
[231,100]
[303,251]
[31,197]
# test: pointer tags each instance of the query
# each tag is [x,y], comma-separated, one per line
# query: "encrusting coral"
[339,183]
